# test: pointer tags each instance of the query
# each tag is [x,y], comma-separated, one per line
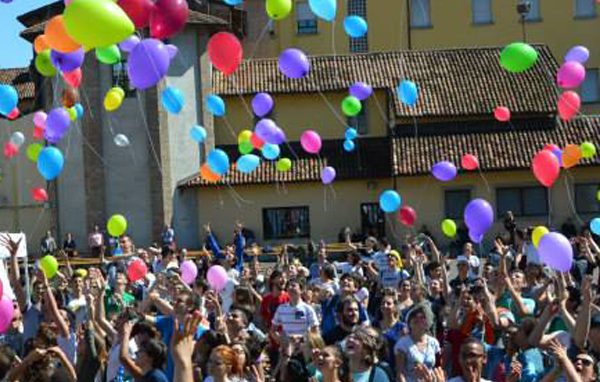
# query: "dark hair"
[470,341]
[433,265]
[343,302]
[297,280]
[329,271]
[157,351]
[275,274]
[353,276]
[247,316]
[371,342]
[146,328]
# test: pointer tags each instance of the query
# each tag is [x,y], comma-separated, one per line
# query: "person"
[348,319]
[472,359]
[294,317]
[96,241]
[362,348]
[69,245]
[151,356]
[329,362]
[463,278]
[48,244]
[223,365]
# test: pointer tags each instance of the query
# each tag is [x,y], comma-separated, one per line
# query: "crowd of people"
[380,314]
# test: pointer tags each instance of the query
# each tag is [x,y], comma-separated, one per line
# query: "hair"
[345,301]
[370,340]
[470,341]
[157,351]
[146,328]
[314,339]
[297,280]
[329,271]
[432,265]
[343,371]
[275,274]
[242,344]
[244,310]
[355,257]
[228,356]
[243,295]
[353,276]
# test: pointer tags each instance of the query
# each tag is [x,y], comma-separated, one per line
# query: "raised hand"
[12,246]
[182,341]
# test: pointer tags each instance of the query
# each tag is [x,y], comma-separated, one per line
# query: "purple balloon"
[558,154]
[67,62]
[293,63]
[475,237]
[57,125]
[129,43]
[479,216]
[444,171]
[361,90]
[265,129]
[556,251]
[189,271]
[148,63]
[262,104]
[328,175]
[578,53]
[278,137]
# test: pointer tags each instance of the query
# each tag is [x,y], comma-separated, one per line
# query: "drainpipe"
[408,28]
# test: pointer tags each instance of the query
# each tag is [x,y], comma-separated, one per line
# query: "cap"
[462,259]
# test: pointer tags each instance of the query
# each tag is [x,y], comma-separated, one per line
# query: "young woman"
[362,347]
[329,362]
[223,365]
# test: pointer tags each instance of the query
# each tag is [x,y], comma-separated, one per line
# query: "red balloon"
[138,11]
[38,132]
[10,150]
[568,105]
[168,18]
[257,143]
[502,113]
[13,114]
[73,78]
[469,162]
[39,194]
[225,52]
[137,270]
[407,216]
[545,167]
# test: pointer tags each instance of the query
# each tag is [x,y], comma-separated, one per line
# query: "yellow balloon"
[449,227]
[49,266]
[113,99]
[244,136]
[537,234]
[278,9]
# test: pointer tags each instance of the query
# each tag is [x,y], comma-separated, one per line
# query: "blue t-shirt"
[154,375]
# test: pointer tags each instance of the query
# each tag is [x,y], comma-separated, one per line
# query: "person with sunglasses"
[472,359]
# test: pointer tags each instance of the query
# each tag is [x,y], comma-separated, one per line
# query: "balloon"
[556,252]
[72,113]
[283,165]
[67,62]
[57,124]
[108,55]
[207,174]
[247,163]
[502,113]
[17,138]
[137,270]
[389,201]
[475,237]
[578,54]
[57,36]
[351,106]
[129,43]
[245,147]
[39,118]
[9,99]
[588,150]
[39,194]
[148,62]
[324,9]
[39,132]
[198,133]
[469,162]
[121,140]
[568,105]
[349,145]
[545,167]
[449,227]
[328,175]
[233,3]
[73,78]
[79,109]
[408,93]
[244,136]
[444,171]
[215,105]
[262,104]
[40,44]
[114,98]
[537,234]
[218,161]
[10,150]
[278,9]
[350,133]
[138,11]
[70,97]
[7,313]
[595,226]
[479,216]
[168,18]
[355,26]
[407,216]
[217,277]
[278,137]
[172,99]
[571,155]
[311,141]
[33,151]
[570,75]
[265,129]
[225,52]
[97,23]
[49,266]
[518,57]
[361,90]
[14,114]
[189,271]
[116,225]
[270,151]
[43,64]
[558,154]
[293,63]
[256,142]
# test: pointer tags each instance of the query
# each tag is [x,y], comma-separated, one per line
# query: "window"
[482,11]
[286,223]
[522,201]
[120,78]
[306,20]
[590,92]
[455,202]
[358,8]
[535,13]
[419,14]
[585,9]
[372,220]
[361,121]
[586,198]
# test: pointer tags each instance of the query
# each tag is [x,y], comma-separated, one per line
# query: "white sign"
[21,252]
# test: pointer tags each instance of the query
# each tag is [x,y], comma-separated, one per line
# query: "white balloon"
[121,140]
[17,138]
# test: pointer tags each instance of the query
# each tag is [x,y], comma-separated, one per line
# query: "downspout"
[408,28]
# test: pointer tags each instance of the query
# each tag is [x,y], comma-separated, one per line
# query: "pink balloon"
[502,113]
[568,105]
[137,270]
[551,147]
[217,277]
[39,119]
[73,78]
[168,18]
[10,150]
[545,167]
[570,75]
[469,162]
[189,271]
[7,312]
[311,141]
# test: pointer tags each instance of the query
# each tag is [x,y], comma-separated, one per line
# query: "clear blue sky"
[15,52]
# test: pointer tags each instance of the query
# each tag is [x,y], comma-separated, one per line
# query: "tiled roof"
[33,31]
[452,82]
[21,79]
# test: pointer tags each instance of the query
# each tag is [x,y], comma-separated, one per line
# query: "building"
[459,88]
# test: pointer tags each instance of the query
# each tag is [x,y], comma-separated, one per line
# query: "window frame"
[597,99]
[265,211]
[584,17]
[447,215]
[585,184]
[306,30]
[429,23]
[355,121]
[538,18]
[380,227]
[521,190]
[122,80]
[491,13]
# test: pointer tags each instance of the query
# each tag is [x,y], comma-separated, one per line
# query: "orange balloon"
[70,97]
[57,36]
[571,156]
[40,43]
[208,175]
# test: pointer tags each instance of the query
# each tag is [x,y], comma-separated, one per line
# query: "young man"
[472,358]
[294,317]
[348,288]
[348,318]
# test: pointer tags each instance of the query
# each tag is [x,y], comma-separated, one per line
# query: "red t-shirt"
[269,305]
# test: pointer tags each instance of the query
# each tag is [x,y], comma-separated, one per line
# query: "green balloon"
[284,164]
[245,148]
[33,151]
[518,57]
[49,266]
[278,9]
[117,225]
[449,227]
[43,64]
[97,23]
[351,106]
[108,55]
[588,150]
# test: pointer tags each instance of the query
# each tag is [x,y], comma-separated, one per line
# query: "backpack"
[385,367]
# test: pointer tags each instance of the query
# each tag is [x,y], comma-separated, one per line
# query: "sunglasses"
[584,361]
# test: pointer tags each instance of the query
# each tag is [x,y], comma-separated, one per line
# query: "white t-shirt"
[346,267]
[295,320]
[380,259]
[79,307]
[390,278]
[474,264]
[112,367]
[227,294]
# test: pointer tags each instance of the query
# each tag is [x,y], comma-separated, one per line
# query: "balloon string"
[234,192]
[332,109]
[138,96]
[229,127]
[292,150]
[324,199]
[380,109]
[549,207]
[260,37]
[334,194]
[487,185]
[571,202]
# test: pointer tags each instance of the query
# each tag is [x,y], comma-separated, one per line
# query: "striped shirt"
[390,278]
[295,320]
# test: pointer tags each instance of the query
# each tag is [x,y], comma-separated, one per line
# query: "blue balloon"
[50,162]
[218,161]
[355,26]
[270,151]
[247,163]
[350,133]
[595,226]
[408,93]
[79,110]
[215,105]
[172,99]
[8,99]
[348,145]
[324,9]
[198,133]
[390,201]
[233,3]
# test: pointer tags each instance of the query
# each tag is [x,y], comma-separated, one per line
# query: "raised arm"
[212,243]
[582,325]
[14,275]
[536,336]
[63,328]
[128,363]
[182,347]
[240,243]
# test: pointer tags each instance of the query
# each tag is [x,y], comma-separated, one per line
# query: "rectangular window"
[361,121]
[419,14]
[535,13]
[358,8]
[590,91]
[121,79]
[586,198]
[286,223]
[482,11]
[306,21]
[455,202]
[522,201]
[585,9]
[372,219]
